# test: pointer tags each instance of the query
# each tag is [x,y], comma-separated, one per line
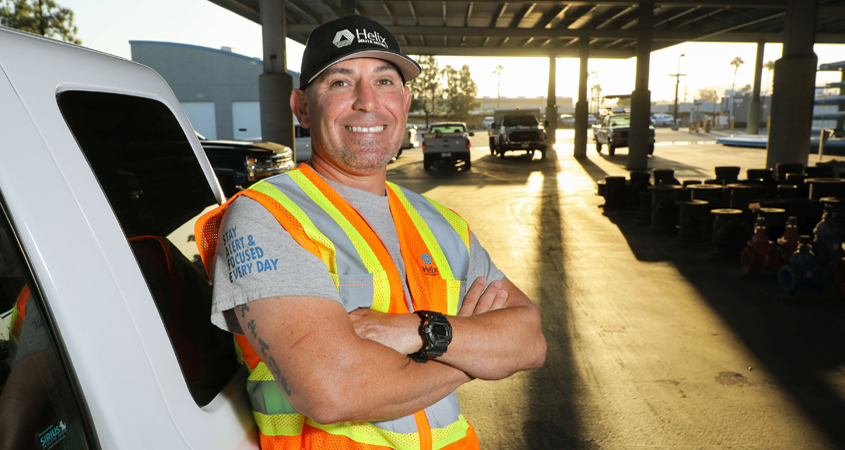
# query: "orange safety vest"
[19,314]
[435,249]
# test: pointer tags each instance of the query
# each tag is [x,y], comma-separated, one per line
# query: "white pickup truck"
[106,341]
[447,141]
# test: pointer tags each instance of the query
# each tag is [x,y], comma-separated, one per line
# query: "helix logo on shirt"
[345,37]
[52,435]
[427,268]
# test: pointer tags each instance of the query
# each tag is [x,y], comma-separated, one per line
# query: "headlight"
[261,168]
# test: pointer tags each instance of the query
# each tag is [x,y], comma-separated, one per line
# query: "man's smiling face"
[356,110]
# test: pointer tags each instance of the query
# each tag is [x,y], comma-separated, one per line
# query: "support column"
[794,85]
[641,97]
[551,100]
[753,126]
[582,106]
[275,84]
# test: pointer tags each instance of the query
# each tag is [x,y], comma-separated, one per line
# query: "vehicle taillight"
[423,145]
[467,144]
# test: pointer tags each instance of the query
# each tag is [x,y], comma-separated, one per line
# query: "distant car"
[410,140]
[447,141]
[661,120]
[568,120]
[487,122]
[613,132]
[239,164]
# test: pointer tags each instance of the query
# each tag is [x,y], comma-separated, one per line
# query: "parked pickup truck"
[517,130]
[447,141]
[105,339]
[240,164]
[613,132]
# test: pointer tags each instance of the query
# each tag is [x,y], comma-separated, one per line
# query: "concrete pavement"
[652,343]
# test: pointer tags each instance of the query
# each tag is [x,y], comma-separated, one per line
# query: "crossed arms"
[336,367]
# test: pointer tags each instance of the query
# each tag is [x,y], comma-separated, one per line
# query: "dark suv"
[239,164]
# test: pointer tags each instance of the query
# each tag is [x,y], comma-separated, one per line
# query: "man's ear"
[299,106]
[407,99]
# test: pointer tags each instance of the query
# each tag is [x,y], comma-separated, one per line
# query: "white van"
[101,181]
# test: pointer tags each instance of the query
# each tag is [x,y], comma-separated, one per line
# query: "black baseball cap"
[352,37]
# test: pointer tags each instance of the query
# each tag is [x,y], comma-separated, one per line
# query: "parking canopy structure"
[577,29]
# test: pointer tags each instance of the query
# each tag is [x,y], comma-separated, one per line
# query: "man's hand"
[401,331]
[479,300]
[496,333]
[397,331]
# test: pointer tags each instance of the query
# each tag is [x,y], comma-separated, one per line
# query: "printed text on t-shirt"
[244,256]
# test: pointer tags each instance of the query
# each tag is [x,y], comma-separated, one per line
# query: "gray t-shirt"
[257,258]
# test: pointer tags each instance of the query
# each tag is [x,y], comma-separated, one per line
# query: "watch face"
[441,334]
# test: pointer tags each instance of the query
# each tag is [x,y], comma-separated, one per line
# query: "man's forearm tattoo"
[274,369]
[269,361]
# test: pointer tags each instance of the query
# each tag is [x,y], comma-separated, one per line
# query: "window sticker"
[53,435]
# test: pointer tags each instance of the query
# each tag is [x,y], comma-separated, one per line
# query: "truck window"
[448,129]
[38,407]
[156,188]
[520,121]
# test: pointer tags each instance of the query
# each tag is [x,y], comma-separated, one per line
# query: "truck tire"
[467,164]
[492,146]
[426,162]
[611,149]
[598,146]
[650,149]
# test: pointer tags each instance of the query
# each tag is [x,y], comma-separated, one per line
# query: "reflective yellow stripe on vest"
[366,253]
[327,253]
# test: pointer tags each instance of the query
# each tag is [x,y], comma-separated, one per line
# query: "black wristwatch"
[436,332]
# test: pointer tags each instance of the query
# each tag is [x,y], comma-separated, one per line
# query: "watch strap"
[435,340]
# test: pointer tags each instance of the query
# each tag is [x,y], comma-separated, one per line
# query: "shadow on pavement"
[554,421]
[486,170]
[799,338]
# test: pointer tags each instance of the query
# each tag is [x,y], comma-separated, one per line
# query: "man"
[348,295]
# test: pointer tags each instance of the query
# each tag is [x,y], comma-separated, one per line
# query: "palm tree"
[736,63]
[498,72]
[770,67]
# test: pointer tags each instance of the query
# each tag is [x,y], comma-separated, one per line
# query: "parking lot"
[652,343]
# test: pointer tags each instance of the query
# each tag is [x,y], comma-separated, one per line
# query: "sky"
[109,26]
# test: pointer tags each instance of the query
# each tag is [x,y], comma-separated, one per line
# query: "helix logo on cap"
[343,38]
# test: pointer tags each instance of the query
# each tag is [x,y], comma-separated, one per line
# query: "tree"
[42,17]
[461,92]
[770,68]
[427,89]
[498,72]
[708,95]
[736,62]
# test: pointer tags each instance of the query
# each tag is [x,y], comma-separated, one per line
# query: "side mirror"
[546,123]
[471,133]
